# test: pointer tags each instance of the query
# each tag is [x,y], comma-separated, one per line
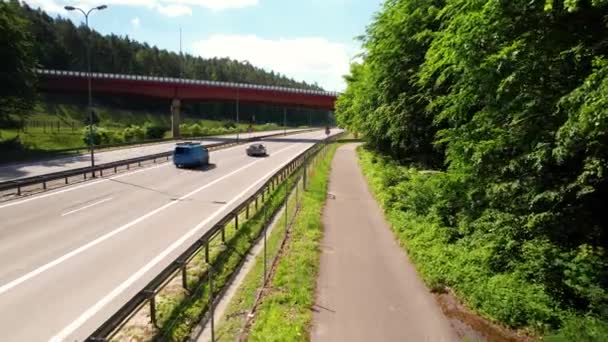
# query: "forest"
[486,124]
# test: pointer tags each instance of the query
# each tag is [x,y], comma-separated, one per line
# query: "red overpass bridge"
[177,89]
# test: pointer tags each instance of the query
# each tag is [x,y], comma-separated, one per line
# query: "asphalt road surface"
[70,258]
[37,168]
[367,288]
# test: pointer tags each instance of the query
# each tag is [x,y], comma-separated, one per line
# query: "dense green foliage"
[61,45]
[510,99]
[416,202]
[16,75]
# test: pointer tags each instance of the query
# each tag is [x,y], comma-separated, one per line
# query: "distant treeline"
[59,44]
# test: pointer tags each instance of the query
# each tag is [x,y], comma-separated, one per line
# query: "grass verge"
[284,312]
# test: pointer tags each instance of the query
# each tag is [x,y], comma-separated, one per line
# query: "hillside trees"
[61,45]
[16,75]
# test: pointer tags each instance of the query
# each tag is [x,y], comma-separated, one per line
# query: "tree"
[17,78]
[515,93]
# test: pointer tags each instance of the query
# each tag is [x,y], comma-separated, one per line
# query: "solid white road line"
[70,329]
[47,266]
[72,188]
[86,206]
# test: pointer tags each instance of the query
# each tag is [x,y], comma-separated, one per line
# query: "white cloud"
[171,8]
[217,5]
[135,22]
[313,59]
[47,5]
[174,10]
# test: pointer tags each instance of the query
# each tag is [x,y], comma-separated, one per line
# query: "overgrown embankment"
[417,202]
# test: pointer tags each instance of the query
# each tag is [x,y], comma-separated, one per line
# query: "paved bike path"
[368,290]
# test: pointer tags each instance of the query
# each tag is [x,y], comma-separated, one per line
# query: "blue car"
[190,154]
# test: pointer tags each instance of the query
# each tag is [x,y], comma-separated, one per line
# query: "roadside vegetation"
[486,124]
[284,313]
[61,126]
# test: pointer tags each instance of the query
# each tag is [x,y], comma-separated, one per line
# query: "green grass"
[41,136]
[462,263]
[243,300]
[284,313]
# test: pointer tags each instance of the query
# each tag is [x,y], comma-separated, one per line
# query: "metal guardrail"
[153,141]
[99,169]
[148,293]
[98,75]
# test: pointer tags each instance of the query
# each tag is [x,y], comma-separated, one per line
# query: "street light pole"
[237,115]
[86,20]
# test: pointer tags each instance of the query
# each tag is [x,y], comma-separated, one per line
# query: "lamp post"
[237,115]
[86,18]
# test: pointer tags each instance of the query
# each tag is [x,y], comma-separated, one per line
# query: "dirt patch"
[471,327]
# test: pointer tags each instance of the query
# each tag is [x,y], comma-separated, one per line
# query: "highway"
[70,258]
[37,168]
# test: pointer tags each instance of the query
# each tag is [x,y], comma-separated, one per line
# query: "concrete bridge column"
[175,110]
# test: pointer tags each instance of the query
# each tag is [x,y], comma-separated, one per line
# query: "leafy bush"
[229,124]
[133,133]
[152,131]
[11,144]
[184,130]
[100,136]
[196,130]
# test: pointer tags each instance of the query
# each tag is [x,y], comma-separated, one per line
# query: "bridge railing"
[97,75]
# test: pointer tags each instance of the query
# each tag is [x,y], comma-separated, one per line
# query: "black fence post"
[211,304]
[184,276]
[265,253]
[207,252]
[152,299]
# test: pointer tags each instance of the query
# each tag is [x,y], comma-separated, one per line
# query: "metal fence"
[100,169]
[51,126]
[297,170]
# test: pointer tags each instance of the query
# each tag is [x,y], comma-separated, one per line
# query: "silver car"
[256,150]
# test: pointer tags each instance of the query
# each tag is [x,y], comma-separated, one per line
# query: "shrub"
[101,136]
[12,144]
[152,131]
[229,124]
[196,130]
[133,133]
[184,130]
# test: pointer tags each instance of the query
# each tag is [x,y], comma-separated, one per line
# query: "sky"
[308,40]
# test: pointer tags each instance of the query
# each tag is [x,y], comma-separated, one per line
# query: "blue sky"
[311,40]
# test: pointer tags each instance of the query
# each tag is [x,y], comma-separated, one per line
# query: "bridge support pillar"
[176,105]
